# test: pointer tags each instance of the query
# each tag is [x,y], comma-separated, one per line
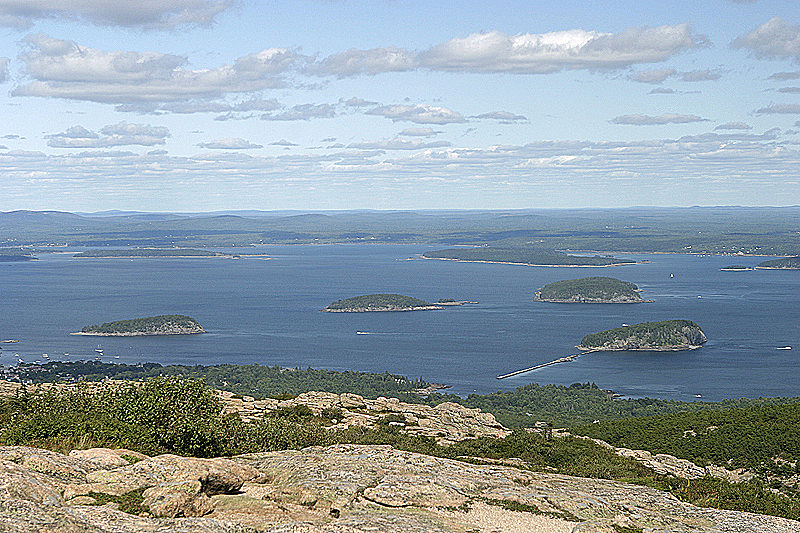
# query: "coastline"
[671,348]
[382,309]
[531,264]
[135,334]
[537,298]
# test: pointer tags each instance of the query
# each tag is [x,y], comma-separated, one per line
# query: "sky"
[201,105]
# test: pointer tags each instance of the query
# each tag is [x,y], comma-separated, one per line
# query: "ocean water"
[267,312]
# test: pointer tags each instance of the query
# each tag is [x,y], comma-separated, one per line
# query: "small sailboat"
[671,275]
[99,349]
[784,348]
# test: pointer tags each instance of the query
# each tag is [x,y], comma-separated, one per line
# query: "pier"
[565,359]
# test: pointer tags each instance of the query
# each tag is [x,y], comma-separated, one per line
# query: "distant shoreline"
[531,264]
[382,309]
[134,334]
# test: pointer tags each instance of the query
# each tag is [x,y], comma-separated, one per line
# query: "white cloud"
[773,39]
[525,53]
[283,142]
[790,90]
[662,90]
[418,113]
[64,69]
[659,75]
[650,120]
[229,144]
[419,132]
[734,126]
[121,134]
[785,76]
[504,117]
[653,75]
[358,102]
[779,109]
[148,14]
[370,62]
[398,144]
[303,112]
[550,52]
[3,69]
[700,75]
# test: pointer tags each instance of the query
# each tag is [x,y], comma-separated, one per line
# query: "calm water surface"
[267,312]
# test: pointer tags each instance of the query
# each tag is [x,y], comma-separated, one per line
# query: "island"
[524,256]
[784,263]
[154,325]
[453,301]
[16,258]
[380,302]
[591,290]
[125,253]
[663,336]
[735,268]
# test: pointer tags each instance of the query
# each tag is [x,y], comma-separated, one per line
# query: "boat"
[671,275]
[362,332]
[698,395]
[784,348]
[99,349]
[9,341]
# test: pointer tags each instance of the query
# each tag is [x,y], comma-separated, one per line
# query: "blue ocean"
[266,311]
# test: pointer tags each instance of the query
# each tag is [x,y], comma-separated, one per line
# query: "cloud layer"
[121,134]
[148,14]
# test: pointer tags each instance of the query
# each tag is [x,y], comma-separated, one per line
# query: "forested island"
[735,268]
[595,289]
[16,258]
[155,325]
[666,335]
[380,302]
[148,252]
[784,263]
[523,256]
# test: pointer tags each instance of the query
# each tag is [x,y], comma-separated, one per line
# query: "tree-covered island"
[735,268]
[380,302]
[784,263]
[524,256]
[148,252]
[666,335]
[591,290]
[154,325]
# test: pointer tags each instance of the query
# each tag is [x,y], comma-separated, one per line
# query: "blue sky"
[193,105]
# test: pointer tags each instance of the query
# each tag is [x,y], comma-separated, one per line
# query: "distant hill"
[596,289]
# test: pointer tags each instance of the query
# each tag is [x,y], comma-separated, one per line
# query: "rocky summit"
[336,489]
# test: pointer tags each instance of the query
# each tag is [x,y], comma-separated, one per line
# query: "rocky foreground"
[342,488]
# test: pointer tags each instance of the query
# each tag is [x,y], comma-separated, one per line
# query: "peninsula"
[380,302]
[663,336]
[784,263]
[591,290]
[16,258]
[525,256]
[137,327]
[125,253]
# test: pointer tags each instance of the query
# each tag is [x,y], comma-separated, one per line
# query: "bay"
[267,312]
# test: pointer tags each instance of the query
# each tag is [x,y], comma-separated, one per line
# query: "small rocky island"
[380,302]
[154,325]
[735,268]
[663,336]
[784,263]
[591,290]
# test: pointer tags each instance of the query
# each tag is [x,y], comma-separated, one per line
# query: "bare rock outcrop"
[343,489]
[447,422]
